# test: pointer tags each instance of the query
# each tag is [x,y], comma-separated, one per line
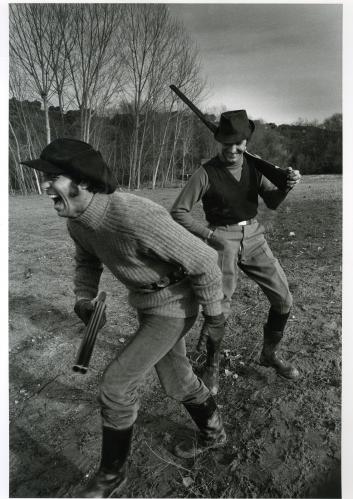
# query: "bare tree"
[151,41]
[24,140]
[92,51]
[62,14]
[184,72]
[86,56]
[35,46]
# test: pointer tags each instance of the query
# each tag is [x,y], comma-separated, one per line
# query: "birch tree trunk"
[17,158]
[161,150]
[171,158]
[32,46]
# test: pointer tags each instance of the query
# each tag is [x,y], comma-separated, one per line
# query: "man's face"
[234,152]
[69,198]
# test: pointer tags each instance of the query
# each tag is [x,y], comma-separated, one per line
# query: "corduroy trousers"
[159,342]
[248,250]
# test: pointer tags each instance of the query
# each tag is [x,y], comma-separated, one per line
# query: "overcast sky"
[280,62]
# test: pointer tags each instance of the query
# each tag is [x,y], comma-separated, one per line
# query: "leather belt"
[243,222]
[165,281]
[247,222]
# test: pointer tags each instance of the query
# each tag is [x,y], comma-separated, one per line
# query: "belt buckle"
[243,222]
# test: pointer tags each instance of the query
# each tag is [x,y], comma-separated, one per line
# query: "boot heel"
[270,357]
[264,362]
[190,450]
[211,435]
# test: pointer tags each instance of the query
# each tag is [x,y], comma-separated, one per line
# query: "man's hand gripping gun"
[95,322]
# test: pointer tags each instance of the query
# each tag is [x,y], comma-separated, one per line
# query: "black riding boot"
[210,375]
[208,419]
[273,334]
[111,476]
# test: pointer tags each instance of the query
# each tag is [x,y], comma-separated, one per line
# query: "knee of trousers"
[195,394]
[176,392]
[284,304]
[119,406]
[117,394]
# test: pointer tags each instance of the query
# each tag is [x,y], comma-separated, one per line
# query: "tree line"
[101,73]
[311,147]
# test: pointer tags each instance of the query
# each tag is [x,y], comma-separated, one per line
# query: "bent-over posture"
[168,273]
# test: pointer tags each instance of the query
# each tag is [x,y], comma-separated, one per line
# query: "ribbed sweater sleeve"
[160,237]
[88,270]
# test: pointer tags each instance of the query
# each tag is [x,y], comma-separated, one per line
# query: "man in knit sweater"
[168,273]
[229,186]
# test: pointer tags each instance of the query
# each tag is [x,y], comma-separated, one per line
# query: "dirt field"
[284,438]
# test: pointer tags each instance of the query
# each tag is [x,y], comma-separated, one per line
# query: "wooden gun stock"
[86,348]
[273,173]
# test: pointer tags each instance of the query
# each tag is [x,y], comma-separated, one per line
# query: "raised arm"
[273,196]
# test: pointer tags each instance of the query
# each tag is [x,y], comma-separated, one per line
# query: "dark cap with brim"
[76,159]
[43,166]
[234,127]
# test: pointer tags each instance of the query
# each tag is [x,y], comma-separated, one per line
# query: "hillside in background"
[313,148]
[101,73]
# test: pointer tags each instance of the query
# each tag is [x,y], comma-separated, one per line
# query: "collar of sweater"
[94,214]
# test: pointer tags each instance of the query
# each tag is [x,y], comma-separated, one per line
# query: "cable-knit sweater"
[139,242]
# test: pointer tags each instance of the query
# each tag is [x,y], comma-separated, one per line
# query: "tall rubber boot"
[211,435]
[273,334]
[111,476]
[210,375]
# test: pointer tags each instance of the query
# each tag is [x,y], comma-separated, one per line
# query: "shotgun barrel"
[273,173]
[88,341]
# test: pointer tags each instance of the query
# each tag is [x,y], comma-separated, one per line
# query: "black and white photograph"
[175,242]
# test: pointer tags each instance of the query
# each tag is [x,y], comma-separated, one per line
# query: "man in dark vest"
[228,186]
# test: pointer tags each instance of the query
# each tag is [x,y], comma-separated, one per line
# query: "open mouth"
[56,199]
